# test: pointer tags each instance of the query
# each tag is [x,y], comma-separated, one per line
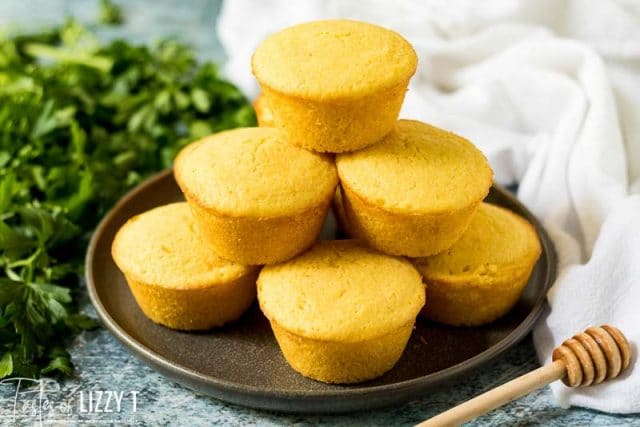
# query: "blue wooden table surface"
[139,395]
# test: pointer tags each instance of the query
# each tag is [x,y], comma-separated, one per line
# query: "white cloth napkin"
[550,91]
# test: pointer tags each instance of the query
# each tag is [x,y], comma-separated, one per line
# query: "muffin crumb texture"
[164,247]
[333,86]
[481,277]
[417,168]
[497,239]
[341,290]
[175,276]
[255,172]
[333,59]
[341,312]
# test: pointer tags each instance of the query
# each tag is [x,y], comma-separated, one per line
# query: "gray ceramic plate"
[242,364]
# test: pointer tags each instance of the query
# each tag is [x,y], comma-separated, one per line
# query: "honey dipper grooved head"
[594,355]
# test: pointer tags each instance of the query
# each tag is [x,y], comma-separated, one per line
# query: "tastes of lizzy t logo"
[44,401]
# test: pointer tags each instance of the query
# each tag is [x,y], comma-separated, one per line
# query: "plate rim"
[201,381]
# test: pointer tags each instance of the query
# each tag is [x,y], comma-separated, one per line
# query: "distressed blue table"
[112,387]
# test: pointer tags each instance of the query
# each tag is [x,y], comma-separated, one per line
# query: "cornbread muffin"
[256,198]
[483,274]
[263,113]
[341,312]
[335,85]
[175,276]
[415,192]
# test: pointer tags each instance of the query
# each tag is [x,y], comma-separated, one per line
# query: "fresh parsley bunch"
[80,124]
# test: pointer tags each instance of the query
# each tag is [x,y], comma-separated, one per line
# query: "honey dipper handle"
[498,396]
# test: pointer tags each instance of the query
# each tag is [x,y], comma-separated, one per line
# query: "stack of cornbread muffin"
[408,194]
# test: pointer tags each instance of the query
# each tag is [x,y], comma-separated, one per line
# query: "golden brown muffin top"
[254,172]
[341,291]
[417,169]
[496,242]
[333,59]
[163,247]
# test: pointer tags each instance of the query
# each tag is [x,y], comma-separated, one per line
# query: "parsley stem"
[38,50]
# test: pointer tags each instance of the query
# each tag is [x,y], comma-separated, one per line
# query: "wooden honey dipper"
[591,357]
